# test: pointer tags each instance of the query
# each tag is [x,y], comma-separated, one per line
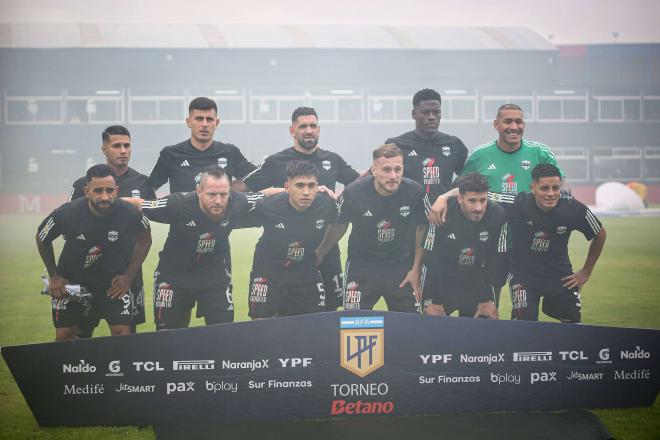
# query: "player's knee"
[120,330]
[65,334]
[84,333]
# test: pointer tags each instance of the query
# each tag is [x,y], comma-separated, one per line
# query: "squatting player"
[332,168]
[285,280]
[383,209]
[116,147]
[191,268]
[97,230]
[540,224]
[461,255]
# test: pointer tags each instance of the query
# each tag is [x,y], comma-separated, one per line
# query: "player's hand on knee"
[576,280]
[118,286]
[56,285]
[434,310]
[438,213]
[487,310]
[412,278]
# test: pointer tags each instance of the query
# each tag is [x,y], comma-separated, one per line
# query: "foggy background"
[587,75]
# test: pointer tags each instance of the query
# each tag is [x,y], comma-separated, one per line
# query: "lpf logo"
[362,342]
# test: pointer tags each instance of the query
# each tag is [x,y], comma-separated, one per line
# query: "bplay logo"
[502,378]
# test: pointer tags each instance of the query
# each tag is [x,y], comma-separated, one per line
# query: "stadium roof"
[265,36]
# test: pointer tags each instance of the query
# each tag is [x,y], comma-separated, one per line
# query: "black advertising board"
[335,365]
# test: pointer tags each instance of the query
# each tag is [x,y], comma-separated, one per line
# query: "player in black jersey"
[384,209]
[461,254]
[192,263]
[332,168]
[285,280]
[540,224]
[430,157]
[97,231]
[116,148]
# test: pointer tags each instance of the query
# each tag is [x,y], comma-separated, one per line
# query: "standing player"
[285,280]
[117,149]
[461,254]
[430,157]
[191,268]
[97,230]
[383,209]
[332,168]
[541,223]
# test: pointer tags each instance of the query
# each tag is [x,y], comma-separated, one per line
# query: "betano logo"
[362,342]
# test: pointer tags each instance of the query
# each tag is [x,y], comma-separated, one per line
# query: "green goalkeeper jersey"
[508,173]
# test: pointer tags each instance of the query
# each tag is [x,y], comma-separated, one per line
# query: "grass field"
[624,291]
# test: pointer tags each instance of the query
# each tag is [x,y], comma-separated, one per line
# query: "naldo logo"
[82,367]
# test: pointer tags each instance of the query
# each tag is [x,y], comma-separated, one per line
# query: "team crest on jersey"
[446,151]
[540,242]
[466,258]
[509,184]
[483,236]
[404,211]
[525,164]
[113,236]
[93,254]
[326,165]
[362,344]
[135,193]
[222,162]
[385,231]
[224,223]
[320,223]
[561,230]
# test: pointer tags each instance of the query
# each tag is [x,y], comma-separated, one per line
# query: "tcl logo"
[550,376]
[147,366]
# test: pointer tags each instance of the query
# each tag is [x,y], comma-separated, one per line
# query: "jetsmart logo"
[193,365]
[532,356]
[82,367]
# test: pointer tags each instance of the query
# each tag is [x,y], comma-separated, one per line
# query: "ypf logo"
[362,342]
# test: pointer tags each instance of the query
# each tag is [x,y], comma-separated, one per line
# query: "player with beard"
[97,230]
[332,168]
[461,255]
[116,148]
[383,209]
[285,280]
[191,266]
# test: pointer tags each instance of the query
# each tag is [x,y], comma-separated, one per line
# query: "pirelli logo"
[362,344]
[532,356]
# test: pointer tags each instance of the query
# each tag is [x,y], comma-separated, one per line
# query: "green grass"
[623,291]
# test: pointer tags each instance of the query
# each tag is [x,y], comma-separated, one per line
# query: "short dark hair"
[472,182]
[213,171]
[426,95]
[545,170]
[202,103]
[507,107]
[114,130]
[100,170]
[303,111]
[298,168]
[387,151]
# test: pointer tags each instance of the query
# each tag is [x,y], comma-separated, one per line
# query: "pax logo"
[550,376]
[179,387]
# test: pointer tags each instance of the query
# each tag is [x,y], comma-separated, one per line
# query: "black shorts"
[501,270]
[138,306]
[453,296]
[333,279]
[563,304]
[67,313]
[284,296]
[172,303]
[365,283]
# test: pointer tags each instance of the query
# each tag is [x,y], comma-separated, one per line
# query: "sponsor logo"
[135,193]
[638,353]
[353,296]
[412,153]
[326,165]
[280,226]
[224,223]
[451,236]
[114,369]
[148,366]
[340,407]
[545,376]
[632,375]
[164,295]
[82,367]
[78,390]
[466,257]
[367,213]
[483,236]
[446,151]
[205,244]
[185,163]
[502,378]
[529,222]
[295,362]
[576,375]
[359,389]
[525,164]
[561,230]
[509,184]
[430,172]
[191,223]
[518,296]
[435,358]
[362,344]
[198,177]
[443,378]
[81,237]
[385,231]
[92,256]
[113,236]
[492,167]
[193,365]
[604,356]
[540,242]
[573,356]
[320,223]
[295,253]
[222,162]
[179,387]
[532,356]
[251,365]
[259,290]
[126,388]
[482,359]
[222,386]
[272,383]
[404,211]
